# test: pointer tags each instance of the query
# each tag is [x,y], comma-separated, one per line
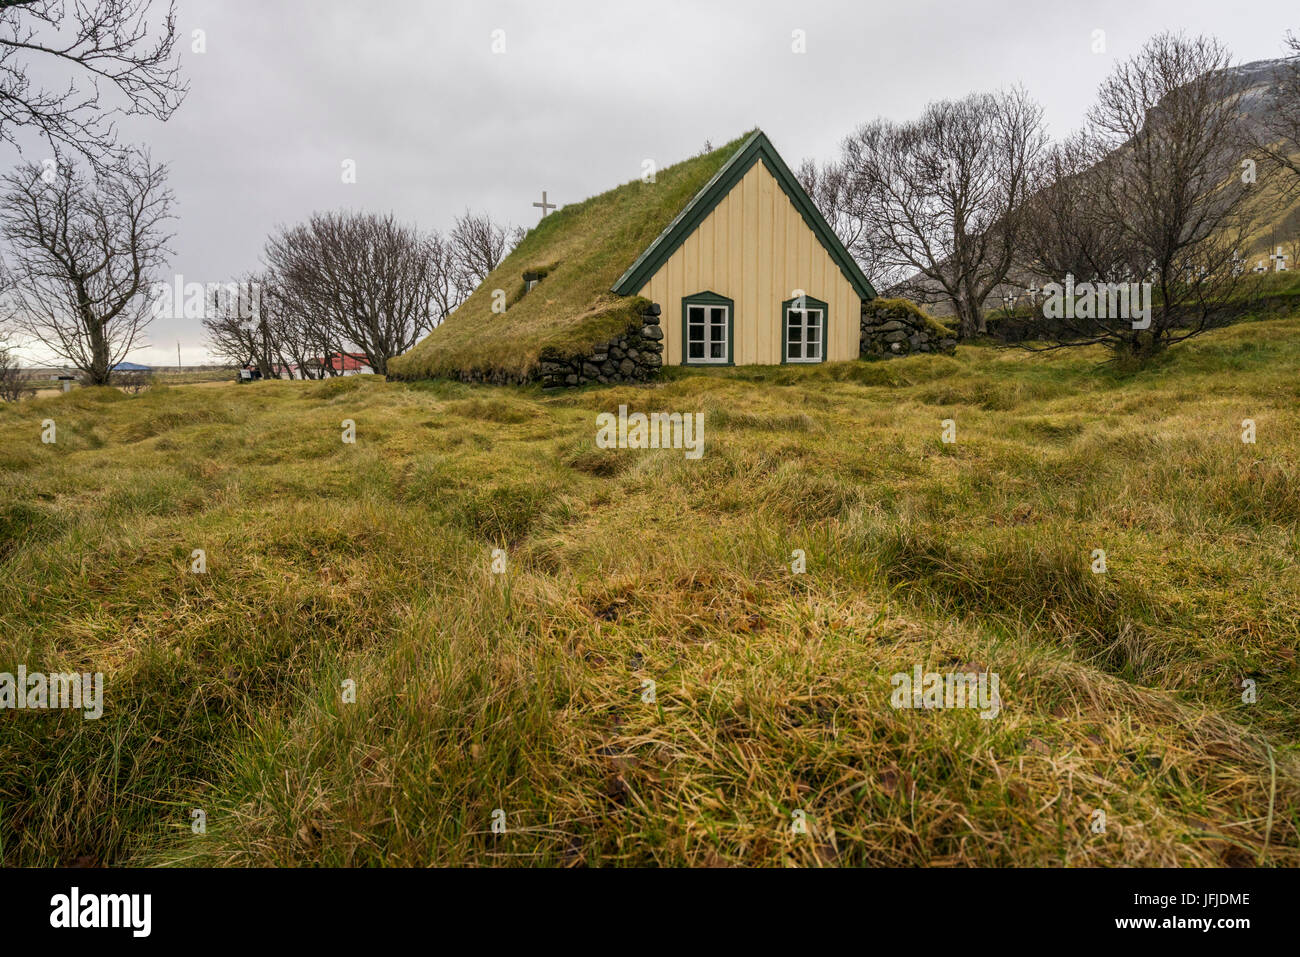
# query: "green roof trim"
[758,148]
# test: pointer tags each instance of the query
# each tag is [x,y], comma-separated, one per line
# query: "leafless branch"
[83,251]
[115,44]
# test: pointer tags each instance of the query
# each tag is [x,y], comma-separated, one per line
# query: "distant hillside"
[1278,212]
[1280,215]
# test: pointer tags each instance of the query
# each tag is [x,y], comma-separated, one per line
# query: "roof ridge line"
[700,193]
[757,147]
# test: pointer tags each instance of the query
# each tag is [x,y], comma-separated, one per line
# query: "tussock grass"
[524,692]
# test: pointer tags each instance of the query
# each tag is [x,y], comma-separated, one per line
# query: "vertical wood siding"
[756,249]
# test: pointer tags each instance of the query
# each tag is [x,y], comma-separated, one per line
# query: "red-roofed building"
[342,363]
[345,363]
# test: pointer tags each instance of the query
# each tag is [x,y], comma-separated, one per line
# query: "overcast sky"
[435,121]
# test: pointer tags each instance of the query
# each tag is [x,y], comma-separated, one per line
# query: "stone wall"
[493,378]
[635,356]
[898,327]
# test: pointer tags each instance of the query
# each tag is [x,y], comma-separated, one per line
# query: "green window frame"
[800,316]
[704,314]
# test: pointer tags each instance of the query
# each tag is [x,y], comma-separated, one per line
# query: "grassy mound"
[579,251]
[527,692]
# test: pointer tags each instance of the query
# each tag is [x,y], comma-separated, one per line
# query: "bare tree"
[13,385]
[1067,229]
[114,44]
[300,337]
[235,320]
[449,286]
[478,244]
[133,382]
[230,339]
[946,193]
[832,189]
[351,280]
[82,253]
[366,276]
[1168,193]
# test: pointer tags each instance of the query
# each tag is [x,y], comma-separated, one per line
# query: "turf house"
[722,260]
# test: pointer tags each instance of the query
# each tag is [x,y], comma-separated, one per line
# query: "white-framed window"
[707,329]
[804,333]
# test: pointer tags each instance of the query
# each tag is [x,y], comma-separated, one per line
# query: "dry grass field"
[526,692]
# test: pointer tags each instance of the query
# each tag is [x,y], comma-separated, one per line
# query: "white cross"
[1033,291]
[544,206]
[1279,260]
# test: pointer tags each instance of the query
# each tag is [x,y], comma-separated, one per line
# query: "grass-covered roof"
[582,250]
